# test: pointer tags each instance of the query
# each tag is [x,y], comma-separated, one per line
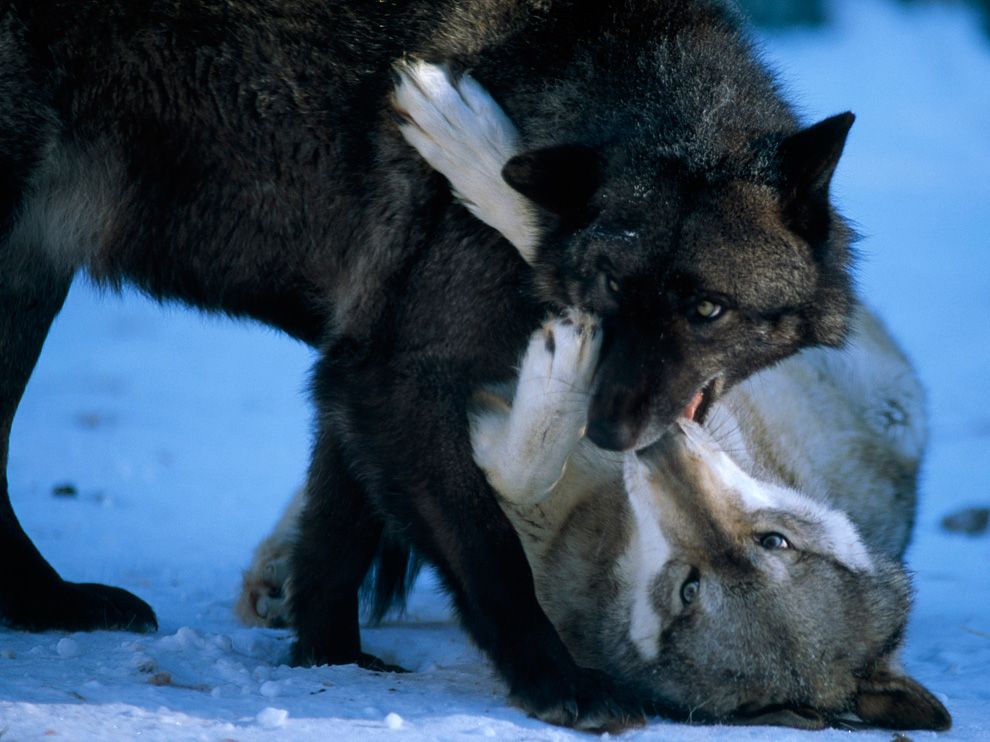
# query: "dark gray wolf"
[242,156]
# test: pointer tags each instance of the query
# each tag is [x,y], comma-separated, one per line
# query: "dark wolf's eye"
[607,279]
[706,309]
[690,589]
[774,541]
[611,284]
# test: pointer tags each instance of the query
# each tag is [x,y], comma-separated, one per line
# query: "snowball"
[393,721]
[224,642]
[272,718]
[184,638]
[67,647]
[270,689]
[187,637]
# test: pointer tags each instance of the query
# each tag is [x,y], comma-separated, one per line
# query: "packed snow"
[155,446]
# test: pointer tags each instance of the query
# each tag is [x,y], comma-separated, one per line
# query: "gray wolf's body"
[750,565]
[748,569]
[243,157]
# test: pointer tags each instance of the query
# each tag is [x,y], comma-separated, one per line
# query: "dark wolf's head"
[702,276]
[723,598]
[649,171]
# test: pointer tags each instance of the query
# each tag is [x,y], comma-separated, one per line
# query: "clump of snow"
[67,647]
[184,638]
[393,721]
[183,438]
[272,718]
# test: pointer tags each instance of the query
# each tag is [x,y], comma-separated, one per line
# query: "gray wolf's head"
[719,597]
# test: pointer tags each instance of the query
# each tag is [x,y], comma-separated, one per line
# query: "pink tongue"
[692,406]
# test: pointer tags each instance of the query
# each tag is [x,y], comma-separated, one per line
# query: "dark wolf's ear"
[891,700]
[561,179]
[807,161]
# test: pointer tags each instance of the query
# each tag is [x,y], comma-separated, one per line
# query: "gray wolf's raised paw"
[265,587]
[459,129]
[524,451]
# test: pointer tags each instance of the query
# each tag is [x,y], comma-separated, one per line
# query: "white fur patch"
[840,537]
[524,451]
[461,131]
[69,205]
[644,558]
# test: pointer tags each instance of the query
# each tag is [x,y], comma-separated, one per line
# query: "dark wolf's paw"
[370,662]
[583,700]
[303,656]
[72,606]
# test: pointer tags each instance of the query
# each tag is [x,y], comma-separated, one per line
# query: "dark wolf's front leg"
[33,286]
[32,594]
[409,441]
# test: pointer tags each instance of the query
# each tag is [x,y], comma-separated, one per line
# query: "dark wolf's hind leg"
[339,532]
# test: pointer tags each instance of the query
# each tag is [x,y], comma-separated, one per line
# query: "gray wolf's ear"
[891,700]
[561,179]
[807,161]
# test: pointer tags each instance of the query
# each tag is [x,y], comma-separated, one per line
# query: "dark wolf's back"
[237,139]
[678,78]
[281,106]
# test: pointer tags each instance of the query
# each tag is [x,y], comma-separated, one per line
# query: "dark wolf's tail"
[392,575]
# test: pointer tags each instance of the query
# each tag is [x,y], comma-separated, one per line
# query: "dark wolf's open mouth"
[701,402]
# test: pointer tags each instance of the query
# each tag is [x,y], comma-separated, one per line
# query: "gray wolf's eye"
[612,284]
[707,309]
[773,541]
[690,589]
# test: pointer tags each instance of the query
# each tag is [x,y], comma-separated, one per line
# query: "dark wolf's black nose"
[612,435]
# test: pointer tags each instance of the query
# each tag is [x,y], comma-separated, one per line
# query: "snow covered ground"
[182,437]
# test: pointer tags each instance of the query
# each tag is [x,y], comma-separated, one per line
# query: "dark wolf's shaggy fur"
[241,156]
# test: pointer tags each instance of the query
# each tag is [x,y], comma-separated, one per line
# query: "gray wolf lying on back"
[764,585]
[747,570]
